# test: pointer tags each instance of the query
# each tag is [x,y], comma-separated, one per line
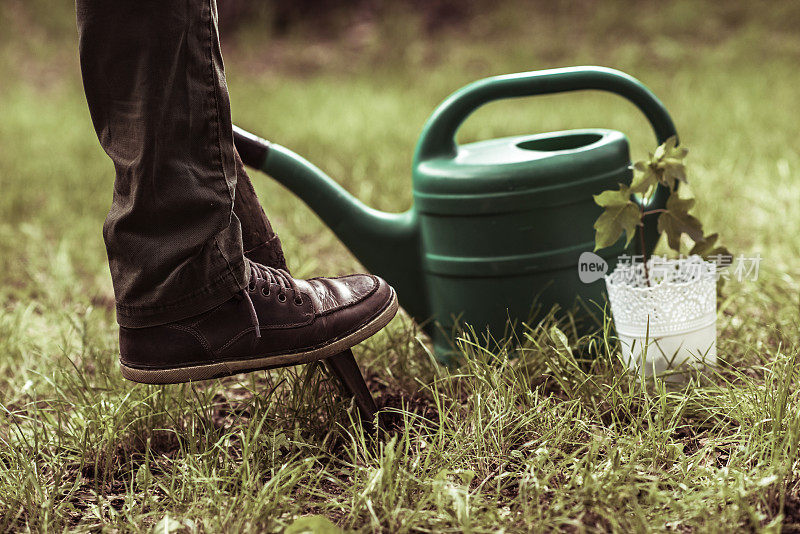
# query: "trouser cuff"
[219,290]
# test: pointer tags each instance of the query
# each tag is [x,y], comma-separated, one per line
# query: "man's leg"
[156,90]
[190,306]
[261,244]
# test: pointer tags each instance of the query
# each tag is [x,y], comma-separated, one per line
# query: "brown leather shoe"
[276,321]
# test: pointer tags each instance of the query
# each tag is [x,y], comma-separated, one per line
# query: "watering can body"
[496,226]
[504,222]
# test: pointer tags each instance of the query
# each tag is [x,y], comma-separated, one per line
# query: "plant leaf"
[167,525]
[708,248]
[667,163]
[702,248]
[721,255]
[677,220]
[671,172]
[620,215]
[665,148]
[674,172]
[313,524]
[644,181]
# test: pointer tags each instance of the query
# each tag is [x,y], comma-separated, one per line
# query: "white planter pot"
[670,321]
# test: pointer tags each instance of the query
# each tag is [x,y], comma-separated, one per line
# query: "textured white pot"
[670,321]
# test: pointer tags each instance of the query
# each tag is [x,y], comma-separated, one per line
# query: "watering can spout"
[385,243]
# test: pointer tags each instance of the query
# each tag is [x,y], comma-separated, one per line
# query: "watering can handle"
[438,135]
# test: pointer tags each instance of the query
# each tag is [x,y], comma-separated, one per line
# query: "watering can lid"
[520,172]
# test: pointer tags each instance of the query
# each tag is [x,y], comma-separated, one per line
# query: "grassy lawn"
[560,438]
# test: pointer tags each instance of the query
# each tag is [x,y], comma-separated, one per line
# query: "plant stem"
[641,244]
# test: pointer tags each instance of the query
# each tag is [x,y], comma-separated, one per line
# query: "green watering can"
[479,245]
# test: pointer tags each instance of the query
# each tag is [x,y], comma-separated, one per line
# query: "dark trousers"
[155,84]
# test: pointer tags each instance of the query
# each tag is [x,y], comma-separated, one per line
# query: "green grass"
[560,438]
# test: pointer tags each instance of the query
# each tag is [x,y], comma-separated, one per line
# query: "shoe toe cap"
[347,302]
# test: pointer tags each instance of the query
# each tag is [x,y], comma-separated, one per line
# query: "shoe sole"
[176,375]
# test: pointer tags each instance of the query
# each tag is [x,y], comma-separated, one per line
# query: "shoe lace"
[272,276]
